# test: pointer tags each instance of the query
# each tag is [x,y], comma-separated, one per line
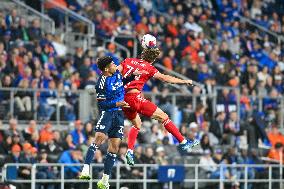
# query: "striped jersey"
[109,91]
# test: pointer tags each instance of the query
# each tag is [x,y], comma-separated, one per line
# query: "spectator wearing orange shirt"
[276,153]
[142,27]
[168,63]
[172,28]
[46,134]
[275,136]
[54,13]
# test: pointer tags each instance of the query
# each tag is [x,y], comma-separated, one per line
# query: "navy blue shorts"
[111,123]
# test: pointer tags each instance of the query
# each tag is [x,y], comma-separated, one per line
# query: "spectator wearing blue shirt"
[85,68]
[271,102]
[278,83]
[78,135]
[69,157]
[48,101]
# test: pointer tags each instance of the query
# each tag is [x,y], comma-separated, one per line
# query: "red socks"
[171,128]
[132,135]
[168,124]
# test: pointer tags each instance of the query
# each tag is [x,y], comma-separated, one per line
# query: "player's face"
[111,68]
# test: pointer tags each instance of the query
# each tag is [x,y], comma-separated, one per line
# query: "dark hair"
[150,54]
[104,62]
[199,107]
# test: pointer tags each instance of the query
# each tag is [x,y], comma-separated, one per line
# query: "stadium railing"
[70,35]
[85,103]
[276,38]
[194,175]
[47,24]
[87,107]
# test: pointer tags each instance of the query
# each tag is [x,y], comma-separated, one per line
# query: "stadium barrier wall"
[88,105]
[192,175]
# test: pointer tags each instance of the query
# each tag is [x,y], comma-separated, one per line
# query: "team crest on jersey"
[102,127]
[117,85]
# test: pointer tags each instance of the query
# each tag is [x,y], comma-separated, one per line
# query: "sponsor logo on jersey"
[117,85]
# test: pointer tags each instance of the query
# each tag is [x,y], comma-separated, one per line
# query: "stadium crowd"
[204,40]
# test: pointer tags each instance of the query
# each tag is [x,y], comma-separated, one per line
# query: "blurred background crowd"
[205,40]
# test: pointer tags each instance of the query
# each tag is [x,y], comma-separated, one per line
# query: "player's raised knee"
[163,116]
[99,138]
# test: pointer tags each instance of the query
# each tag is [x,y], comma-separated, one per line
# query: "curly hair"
[150,55]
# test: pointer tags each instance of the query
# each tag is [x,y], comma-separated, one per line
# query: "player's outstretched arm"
[171,79]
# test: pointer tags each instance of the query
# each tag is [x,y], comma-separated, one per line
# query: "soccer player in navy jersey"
[110,97]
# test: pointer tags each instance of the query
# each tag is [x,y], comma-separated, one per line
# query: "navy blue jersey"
[111,90]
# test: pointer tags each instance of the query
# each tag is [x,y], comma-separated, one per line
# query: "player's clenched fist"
[122,104]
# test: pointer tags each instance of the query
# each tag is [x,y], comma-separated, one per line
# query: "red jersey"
[129,65]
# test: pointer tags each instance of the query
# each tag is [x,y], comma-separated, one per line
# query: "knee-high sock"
[91,153]
[171,128]
[109,162]
[132,136]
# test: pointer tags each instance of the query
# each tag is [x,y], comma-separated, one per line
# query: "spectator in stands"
[217,126]
[99,159]
[4,94]
[54,12]
[16,139]
[85,68]
[57,138]
[45,172]
[161,157]
[208,164]
[198,116]
[275,136]
[147,157]
[88,130]
[69,157]
[205,143]
[12,130]
[125,171]
[233,129]
[217,156]
[271,101]
[276,152]
[194,131]
[30,130]
[34,141]
[25,171]
[112,52]
[245,158]
[14,157]
[23,98]
[6,145]
[68,143]
[48,99]
[35,32]
[21,31]
[12,18]
[78,135]
[156,134]
[46,134]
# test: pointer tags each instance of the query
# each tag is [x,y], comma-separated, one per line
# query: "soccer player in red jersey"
[138,104]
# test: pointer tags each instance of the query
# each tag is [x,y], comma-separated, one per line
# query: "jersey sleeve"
[152,70]
[100,89]
[100,93]
[103,103]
